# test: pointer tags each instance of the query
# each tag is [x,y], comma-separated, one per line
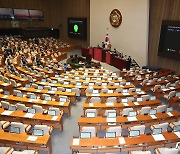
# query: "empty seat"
[95,100]
[161,108]
[57,111]
[6,80]
[156,87]
[5,105]
[25,152]
[6,150]
[111,100]
[47,87]
[109,111]
[145,110]
[132,89]
[14,84]
[88,91]
[46,129]
[141,128]
[130,99]
[21,107]
[22,127]
[77,91]
[116,129]
[119,90]
[145,97]
[163,126]
[126,111]
[171,94]
[91,111]
[38,108]
[4,124]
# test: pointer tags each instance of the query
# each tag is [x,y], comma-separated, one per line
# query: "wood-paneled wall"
[161,10]
[56,13]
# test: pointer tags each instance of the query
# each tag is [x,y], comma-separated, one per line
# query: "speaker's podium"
[100,54]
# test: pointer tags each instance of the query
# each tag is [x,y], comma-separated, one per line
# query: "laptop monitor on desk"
[85,135]
[152,98]
[6,92]
[43,80]
[68,90]
[48,98]
[132,114]
[104,84]
[110,135]
[63,99]
[40,87]
[176,128]
[54,81]
[38,132]
[90,114]
[12,108]
[157,131]
[31,110]
[124,100]
[54,88]
[95,91]
[52,112]
[152,112]
[19,95]
[139,99]
[15,130]
[33,96]
[134,133]
[112,114]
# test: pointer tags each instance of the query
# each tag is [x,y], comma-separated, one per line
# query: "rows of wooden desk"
[65,106]
[120,144]
[101,122]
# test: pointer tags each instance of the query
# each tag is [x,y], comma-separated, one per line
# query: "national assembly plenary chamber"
[89,76]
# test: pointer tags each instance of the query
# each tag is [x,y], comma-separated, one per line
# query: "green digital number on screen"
[75,28]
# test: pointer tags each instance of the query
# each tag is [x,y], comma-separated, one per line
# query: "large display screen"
[77,28]
[169,43]
[21,14]
[6,14]
[36,15]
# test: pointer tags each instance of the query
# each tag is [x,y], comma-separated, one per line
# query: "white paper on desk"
[142,92]
[95,95]
[32,138]
[136,103]
[111,119]
[165,89]
[7,113]
[177,134]
[38,90]
[148,83]
[24,88]
[61,103]
[54,118]
[170,114]
[51,92]
[76,141]
[91,104]
[111,124]
[153,117]
[5,84]
[121,140]
[109,104]
[30,100]
[171,88]
[44,102]
[78,86]
[5,96]
[158,137]
[44,83]
[29,115]
[104,86]
[125,104]
[125,94]
[132,118]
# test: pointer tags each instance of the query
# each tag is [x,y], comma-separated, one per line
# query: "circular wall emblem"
[115,18]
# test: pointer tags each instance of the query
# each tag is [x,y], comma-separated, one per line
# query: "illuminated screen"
[77,28]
